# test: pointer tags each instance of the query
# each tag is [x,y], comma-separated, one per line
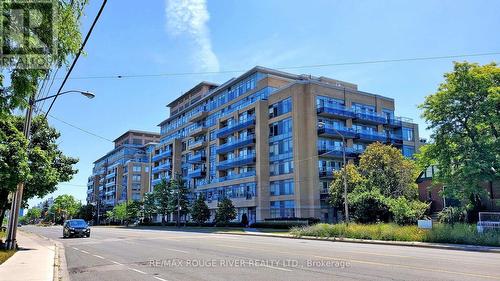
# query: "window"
[136,178]
[283,209]
[408,151]
[136,169]
[408,134]
[283,187]
[281,167]
[280,108]
[137,141]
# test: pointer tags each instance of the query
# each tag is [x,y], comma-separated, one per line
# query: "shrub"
[452,215]
[406,212]
[369,207]
[280,224]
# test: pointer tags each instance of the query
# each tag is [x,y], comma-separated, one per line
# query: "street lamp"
[10,242]
[346,209]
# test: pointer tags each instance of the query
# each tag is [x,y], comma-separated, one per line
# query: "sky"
[230,36]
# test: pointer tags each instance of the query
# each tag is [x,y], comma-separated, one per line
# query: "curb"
[469,248]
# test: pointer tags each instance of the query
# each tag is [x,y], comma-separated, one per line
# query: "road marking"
[97,256]
[175,250]
[76,248]
[278,268]
[136,270]
[84,252]
[161,279]
[115,262]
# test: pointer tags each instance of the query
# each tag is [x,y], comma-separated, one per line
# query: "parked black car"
[76,227]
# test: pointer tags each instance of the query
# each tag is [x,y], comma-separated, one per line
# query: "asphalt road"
[140,254]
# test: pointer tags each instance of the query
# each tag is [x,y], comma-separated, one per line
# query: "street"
[143,254]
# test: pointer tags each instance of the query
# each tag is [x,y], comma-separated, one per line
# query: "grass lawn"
[440,233]
[4,254]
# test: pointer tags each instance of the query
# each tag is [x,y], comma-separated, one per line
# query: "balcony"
[236,162]
[396,139]
[110,192]
[110,184]
[326,172]
[90,191]
[197,131]
[162,167]
[337,152]
[371,118]
[110,175]
[333,132]
[369,136]
[222,132]
[158,180]
[196,173]
[162,154]
[335,110]
[197,158]
[236,176]
[230,146]
[198,116]
[197,144]
[109,202]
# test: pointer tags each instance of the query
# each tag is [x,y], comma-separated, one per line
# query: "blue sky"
[173,36]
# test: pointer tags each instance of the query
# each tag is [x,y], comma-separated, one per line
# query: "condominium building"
[124,172]
[271,140]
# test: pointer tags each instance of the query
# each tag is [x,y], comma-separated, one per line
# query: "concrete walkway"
[33,261]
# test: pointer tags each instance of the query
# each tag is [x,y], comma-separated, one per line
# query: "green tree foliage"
[199,211]
[133,210]
[464,116]
[86,212]
[226,211]
[42,167]
[65,207]
[162,193]
[120,212]
[179,197]
[110,215]
[33,215]
[149,205]
[381,188]
[24,82]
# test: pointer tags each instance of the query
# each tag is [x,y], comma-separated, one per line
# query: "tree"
[24,81]
[65,206]
[133,209]
[33,215]
[86,212]
[199,211]
[120,212]
[110,215]
[464,116]
[386,169]
[162,194]
[149,205]
[226,211]
[42,167]
[336,188]
[179,198]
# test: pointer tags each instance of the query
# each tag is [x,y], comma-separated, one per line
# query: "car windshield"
[77,223]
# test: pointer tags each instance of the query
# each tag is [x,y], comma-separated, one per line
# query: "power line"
[78,128]
[77,55]
[173,74]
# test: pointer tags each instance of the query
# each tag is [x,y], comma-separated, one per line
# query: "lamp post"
[346,209]
[17,197]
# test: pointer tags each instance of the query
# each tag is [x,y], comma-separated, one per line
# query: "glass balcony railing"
[396,139]
[222,132]
[335,110]
[162,154]
[110,175]
[162,167]
[196,173]
[198,130]
[371,136]
[337,151]
[112,183]
[197,144]
[236,176]
[159,180]
[326,172]
[198,116]
[371,118]
[336,131]
[230,146]
[197,158]
[236,162]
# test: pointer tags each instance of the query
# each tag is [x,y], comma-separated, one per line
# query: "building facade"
[271,140]
[124,172]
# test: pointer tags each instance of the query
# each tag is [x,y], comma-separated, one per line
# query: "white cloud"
[189,18]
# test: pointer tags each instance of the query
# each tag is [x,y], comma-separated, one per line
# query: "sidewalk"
[33,261]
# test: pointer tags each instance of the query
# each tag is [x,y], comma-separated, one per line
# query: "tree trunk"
[4,201]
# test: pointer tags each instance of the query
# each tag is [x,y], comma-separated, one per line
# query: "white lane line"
[175,250]
[161,279]
[76,248]
[136,270]
[115,262]
[84,252]
[97,256]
